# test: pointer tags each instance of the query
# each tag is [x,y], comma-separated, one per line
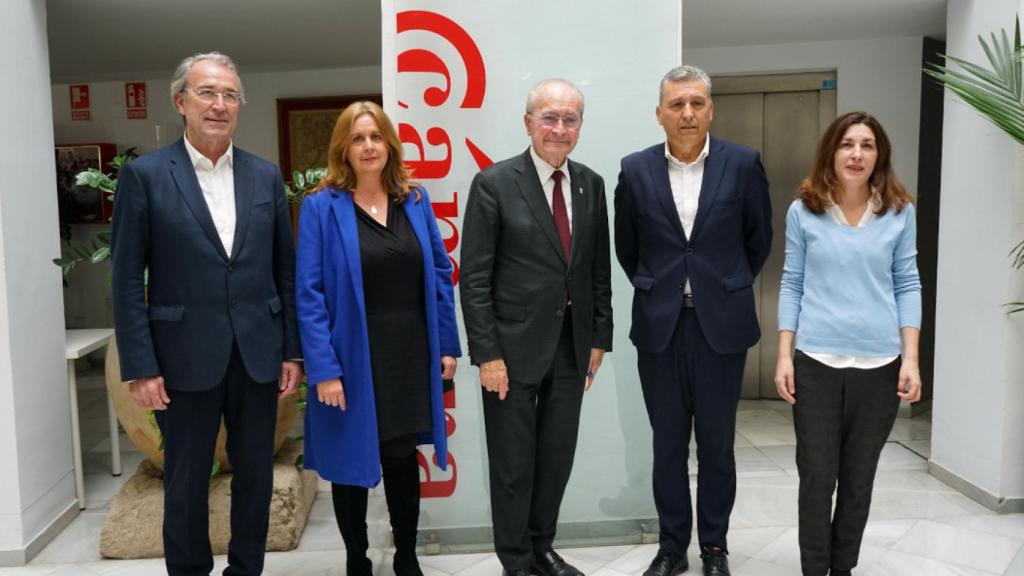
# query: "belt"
[688,301]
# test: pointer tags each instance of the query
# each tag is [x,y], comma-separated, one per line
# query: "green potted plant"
[997,93]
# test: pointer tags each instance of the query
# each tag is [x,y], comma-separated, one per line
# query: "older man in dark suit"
[536,300]
[216,333]
[692,230]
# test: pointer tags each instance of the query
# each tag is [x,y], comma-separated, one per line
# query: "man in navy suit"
[215,334]
[692,230]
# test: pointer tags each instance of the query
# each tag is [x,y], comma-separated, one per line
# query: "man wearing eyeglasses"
[693,227]
[536,300]
[213,332]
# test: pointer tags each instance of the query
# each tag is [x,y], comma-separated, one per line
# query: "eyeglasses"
[208,96]
[569,121]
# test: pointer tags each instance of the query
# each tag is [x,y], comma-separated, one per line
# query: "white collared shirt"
[685,179]
[218,185]
[845,360]
[545,171]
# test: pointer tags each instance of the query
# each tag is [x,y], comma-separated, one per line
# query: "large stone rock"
[134,523]
[140,424]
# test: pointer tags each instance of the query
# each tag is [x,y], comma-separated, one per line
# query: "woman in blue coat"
[377,320]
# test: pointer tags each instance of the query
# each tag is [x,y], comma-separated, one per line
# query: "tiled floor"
[918,527]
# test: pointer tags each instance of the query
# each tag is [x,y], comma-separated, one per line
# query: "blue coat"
[342,446]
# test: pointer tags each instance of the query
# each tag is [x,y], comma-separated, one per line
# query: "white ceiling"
[93,40]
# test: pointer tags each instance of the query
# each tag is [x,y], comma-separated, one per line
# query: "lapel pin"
[581,189]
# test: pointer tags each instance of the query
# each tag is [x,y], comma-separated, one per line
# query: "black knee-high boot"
[402,490]
[350,512]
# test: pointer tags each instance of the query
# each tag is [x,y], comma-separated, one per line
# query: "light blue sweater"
[849,290]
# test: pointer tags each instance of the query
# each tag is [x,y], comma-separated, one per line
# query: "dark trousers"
[842,419]
[190,426]
[531,442]
[689,385]
[402,491]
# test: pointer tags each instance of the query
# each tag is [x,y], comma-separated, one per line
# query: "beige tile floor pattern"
[918,525]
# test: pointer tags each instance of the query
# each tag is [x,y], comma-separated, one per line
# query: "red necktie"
[560,214]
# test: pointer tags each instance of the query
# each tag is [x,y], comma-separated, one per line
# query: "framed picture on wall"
[304,127]
[81,204]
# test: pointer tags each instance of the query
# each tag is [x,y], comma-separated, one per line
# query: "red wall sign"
[79,95]
[135,100]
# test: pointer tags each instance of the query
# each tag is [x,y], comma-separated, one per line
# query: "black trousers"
[842,419]
[531,442]
[689,385]
[190,426]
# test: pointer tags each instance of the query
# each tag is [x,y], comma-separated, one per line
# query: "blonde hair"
[395,176]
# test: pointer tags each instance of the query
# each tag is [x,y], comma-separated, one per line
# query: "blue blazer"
[343,446]
[728,245]
[200,299]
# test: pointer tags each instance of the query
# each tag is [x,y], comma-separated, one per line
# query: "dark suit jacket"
[729,243]
[515,280]
[200,300]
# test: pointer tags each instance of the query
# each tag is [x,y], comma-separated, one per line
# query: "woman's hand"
[331,392]
[785,382]
[448,366]
[909,387]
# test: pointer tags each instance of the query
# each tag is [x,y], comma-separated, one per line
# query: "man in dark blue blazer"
[215,332]
[692,230]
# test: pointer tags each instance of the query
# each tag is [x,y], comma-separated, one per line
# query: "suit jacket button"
[689,251]
[231,268]
[234,303]
[559,313]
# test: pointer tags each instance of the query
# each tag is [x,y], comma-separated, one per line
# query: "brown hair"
[395,177]
[816,190]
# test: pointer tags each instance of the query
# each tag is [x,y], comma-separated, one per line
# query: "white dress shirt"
[844,360]
[218,185]
[545,171]
[685,179]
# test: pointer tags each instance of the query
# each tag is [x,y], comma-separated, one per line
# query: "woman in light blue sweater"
[850,301]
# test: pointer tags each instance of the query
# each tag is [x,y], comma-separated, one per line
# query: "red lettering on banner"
[422,60]
[423,168]
[476,76]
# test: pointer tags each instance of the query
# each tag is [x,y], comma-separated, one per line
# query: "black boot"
[402,490]
[350,512]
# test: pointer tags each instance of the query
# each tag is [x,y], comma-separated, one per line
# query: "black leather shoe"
[549,563]
[667,564]
[516,572]
[716,561]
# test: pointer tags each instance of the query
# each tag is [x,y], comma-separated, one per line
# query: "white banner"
[455,79]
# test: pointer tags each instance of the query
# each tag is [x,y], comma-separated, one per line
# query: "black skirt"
[392,264]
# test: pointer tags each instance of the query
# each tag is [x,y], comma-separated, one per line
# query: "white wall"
[879,75]
[979,370]
[36,484]
[86,297]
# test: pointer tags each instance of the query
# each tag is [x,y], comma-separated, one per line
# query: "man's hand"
[291,374]
[332,393]
[448,366]
[149,393]
[596,356]
[494,377]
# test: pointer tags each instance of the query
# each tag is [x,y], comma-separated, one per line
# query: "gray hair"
[684,73]
[181,73]
[535,92]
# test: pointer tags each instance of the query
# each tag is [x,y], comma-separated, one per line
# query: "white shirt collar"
[200,162]
[545,170]
[700,157]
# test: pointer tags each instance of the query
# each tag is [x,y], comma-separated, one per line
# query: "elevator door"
[782,117]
